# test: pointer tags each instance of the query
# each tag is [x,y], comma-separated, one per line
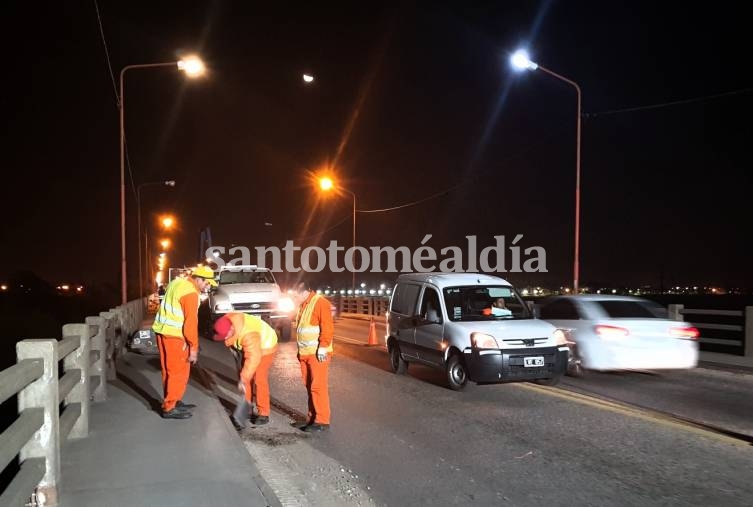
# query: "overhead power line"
[668,104]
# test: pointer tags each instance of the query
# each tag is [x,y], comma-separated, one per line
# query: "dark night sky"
[433,104]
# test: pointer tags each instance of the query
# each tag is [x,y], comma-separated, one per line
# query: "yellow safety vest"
[308,334]
[169,319]
[254,324]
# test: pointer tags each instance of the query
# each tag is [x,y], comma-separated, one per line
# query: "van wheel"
[548,381]
[457,375]
[398,364]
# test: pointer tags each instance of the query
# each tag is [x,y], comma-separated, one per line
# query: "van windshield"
[492,302]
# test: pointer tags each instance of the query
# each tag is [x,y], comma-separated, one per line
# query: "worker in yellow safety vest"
[314,334]
[177,328]
[257,341]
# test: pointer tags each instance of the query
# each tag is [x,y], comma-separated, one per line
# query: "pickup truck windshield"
[228,277]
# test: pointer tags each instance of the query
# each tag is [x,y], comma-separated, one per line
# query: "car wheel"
[398,364]
[575,365]
[457,374]
[553,381]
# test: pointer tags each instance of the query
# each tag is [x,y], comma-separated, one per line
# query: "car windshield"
[492,302]
[228,277]
[623,309]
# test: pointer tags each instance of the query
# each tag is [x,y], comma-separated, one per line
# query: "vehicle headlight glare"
[285,305]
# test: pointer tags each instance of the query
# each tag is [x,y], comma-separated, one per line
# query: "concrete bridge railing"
[55,381]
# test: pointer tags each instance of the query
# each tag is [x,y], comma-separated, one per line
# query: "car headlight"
[223,306]
[483,341]
[285,305]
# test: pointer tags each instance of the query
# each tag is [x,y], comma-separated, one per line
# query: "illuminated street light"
[192,67]
[326,184]
[167,222]
[521,61]
[308,78]
[165,244]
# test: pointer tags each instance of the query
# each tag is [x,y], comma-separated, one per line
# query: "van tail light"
[686,333]
[611,332]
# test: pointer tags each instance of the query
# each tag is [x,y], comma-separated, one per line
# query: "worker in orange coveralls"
[257,341]
[315,331]
[177,328]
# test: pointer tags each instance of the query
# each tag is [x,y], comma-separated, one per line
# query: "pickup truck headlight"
[483,341]
[223,306]
[285,305]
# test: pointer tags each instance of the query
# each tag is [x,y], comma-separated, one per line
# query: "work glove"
[321,354]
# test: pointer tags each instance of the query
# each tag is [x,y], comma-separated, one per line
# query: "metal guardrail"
[373,305]
[54,408]
[745,330]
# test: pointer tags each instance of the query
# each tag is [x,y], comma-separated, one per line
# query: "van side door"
[430,327]
[402,317]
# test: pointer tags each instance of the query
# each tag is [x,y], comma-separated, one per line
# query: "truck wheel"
[457,375]
[398,364]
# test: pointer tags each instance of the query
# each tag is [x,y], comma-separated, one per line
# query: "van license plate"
[530,362]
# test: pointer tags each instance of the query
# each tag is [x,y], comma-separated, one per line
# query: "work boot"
[315,427]
[260,419]
[176,413]
[184,406]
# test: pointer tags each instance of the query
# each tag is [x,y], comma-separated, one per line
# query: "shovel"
[240,414]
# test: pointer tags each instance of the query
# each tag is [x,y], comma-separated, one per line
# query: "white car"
[621,333]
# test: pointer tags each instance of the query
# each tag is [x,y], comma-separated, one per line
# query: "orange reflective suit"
[175,348]
[315,329]
[258,341]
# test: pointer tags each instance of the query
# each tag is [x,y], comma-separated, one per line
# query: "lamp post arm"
[121,106]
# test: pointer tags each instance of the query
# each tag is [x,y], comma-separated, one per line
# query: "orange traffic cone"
[372,333]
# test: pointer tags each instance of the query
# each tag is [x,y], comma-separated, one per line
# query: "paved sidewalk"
[133,457]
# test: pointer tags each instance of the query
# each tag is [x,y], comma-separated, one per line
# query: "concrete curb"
[266,490]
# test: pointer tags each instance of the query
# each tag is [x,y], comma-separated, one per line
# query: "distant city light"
[308,78]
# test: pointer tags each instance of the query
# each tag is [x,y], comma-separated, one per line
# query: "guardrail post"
[98,368]
[748,343]
[675,312]
[43,393]
[79,359]
[112,321]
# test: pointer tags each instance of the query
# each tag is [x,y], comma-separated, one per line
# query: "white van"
[475,327]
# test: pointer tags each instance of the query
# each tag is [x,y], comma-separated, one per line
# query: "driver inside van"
[498,309]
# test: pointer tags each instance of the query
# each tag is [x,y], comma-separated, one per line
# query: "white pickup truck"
[254,290]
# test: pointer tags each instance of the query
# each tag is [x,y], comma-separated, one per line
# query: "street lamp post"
[168,183]
[520,60]
[327,184]
[193,67]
